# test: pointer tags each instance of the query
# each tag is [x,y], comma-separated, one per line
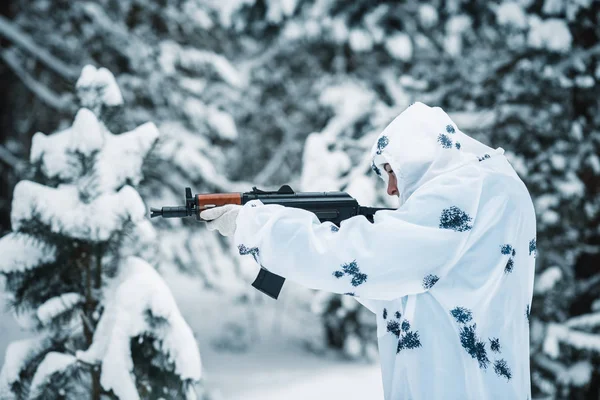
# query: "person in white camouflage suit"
[449,274]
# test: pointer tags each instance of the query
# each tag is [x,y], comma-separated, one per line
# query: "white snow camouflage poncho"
[449,274]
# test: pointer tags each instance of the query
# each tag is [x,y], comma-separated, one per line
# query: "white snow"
[322,168]
[61,209]
[293,30]
[360,40]
[192,58]
[276,366]
[193,85]
[428,15]
[560,333]
[585,81]
[339,30]
[350,101]
[399,46]
[453,44]
[455,27]
[188,151]
[586,321]
[410,82]
[20,252]
[516,161]
[227,9]
[98,86]
[15,359]
[512,14]
[173,55]
[119,157]
[198,15]
[552,34]
[552,7]
[139,289]
[53,362]
[570,186]
[547,279]
[372,21]
[558,161]
[580,373]
[167,58]
[57,305]
[362,188]
[594,161]
[120,160]
[458,24]
[280,9]
[54,151]
[220,122]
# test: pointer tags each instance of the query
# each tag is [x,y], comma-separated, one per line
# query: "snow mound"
[139,289]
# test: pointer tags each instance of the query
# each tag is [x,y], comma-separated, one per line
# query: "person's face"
[392,188]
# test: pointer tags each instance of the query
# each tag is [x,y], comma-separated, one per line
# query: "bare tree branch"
[8,158]
[11,32]
[62,102]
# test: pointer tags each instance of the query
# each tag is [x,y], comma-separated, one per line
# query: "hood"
[422,143]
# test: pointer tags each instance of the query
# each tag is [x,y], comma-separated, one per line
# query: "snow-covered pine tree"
[74,265]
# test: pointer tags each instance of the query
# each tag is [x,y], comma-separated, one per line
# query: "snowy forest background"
[225,95]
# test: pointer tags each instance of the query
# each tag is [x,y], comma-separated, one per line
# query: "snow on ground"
[275,366]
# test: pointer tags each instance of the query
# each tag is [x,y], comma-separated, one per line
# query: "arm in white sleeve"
[403,252]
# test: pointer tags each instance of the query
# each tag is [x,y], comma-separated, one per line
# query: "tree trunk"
[88,328]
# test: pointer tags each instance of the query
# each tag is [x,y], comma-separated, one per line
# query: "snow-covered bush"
[77,268]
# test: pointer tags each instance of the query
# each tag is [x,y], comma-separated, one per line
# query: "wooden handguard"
[217,199]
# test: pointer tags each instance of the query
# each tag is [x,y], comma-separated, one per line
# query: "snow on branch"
[119,157]
[18,354]
[21,252]
[173,55]
[63,212]
[586,321]
[580,340]
[57,305]
[350,103]
[11,32]
[137,291]
[53,363]
[98,87]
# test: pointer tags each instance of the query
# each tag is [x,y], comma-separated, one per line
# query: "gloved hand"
[222,218]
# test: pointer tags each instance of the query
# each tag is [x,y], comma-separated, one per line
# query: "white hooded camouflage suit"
[449,274]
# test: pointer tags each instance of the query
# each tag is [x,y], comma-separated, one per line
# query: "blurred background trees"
[265,92]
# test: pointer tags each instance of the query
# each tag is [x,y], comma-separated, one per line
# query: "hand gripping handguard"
[327,206]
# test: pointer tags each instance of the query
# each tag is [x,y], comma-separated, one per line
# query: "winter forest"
[110,107]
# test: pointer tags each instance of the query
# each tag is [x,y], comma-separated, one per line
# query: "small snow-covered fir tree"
[75,268]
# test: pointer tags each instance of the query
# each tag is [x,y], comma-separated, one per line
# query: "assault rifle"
[327,206]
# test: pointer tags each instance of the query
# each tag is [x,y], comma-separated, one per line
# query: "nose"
[392,188]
